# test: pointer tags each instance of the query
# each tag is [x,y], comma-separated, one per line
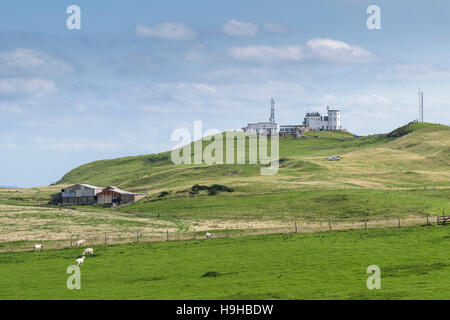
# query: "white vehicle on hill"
[334,158]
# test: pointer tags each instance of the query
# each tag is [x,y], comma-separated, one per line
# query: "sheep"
[80,261]
[81,242]
[37,247]
[209,235]
[88,251]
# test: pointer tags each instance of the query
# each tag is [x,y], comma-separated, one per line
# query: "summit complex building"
[312,122]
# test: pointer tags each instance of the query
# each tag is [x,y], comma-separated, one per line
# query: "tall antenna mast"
[272,111]
[420,105]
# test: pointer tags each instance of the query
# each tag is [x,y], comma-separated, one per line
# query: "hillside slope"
[412,155]
[373,177]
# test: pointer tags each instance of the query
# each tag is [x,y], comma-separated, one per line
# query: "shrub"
[212,190]
[163,194]
[211,274]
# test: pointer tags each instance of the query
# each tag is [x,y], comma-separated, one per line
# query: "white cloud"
[330,50]
[194,56]
[140,59]
[27,86]
[11,108]
[157,109]
[166,31]
[370,100]
[415,72]
[21,62]
[329,99]
[267,53]
[235,28]
[325,50]
[275,27]
[198,86]
[52,144]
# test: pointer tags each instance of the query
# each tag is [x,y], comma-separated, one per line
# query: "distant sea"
[8,187]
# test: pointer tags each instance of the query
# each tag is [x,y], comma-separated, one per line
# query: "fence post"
[365,223]
[428,223]
[195,235]
[167,235]
[228,235]
[295,223]
[71,241]
[329,223]
[137,236]
[399,222]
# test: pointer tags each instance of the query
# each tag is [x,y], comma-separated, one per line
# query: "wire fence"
[165,235]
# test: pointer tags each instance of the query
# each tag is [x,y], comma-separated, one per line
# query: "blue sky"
[137,70]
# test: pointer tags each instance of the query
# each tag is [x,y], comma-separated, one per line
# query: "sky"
[137,70]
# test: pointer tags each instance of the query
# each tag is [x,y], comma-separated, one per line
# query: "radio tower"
[420,106]
[272,111]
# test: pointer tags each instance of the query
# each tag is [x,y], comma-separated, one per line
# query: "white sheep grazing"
[37,247]
[80,261]
[209,235]
[81,242]
[88,251]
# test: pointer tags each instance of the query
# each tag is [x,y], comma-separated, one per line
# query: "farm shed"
[79,194]
[113,195]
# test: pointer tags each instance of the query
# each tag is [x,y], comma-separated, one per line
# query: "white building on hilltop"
[330,122]
[313,121]
[266,128]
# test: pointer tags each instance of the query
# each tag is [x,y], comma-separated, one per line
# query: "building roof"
[89,186]
[255,123]
[313,114]
[81,185]
[117,190]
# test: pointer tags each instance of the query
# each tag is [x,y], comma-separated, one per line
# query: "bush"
[211,274]
[163,194]
[212,190]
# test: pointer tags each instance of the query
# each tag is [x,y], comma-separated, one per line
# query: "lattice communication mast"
[420,106]
[272,111]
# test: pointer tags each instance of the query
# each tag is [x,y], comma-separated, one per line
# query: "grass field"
[401,174]
[414,264]
[374,177]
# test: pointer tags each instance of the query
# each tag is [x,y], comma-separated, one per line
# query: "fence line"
[292,227]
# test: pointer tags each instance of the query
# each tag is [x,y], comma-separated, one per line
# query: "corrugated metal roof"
[81,185]
[115,189]
[89,186]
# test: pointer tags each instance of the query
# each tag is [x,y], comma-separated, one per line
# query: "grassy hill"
[375,176]
[404,173]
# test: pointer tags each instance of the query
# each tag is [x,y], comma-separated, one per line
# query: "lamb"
[37,247]
[88,251]
[80,261]
[209,235]
[81,242]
